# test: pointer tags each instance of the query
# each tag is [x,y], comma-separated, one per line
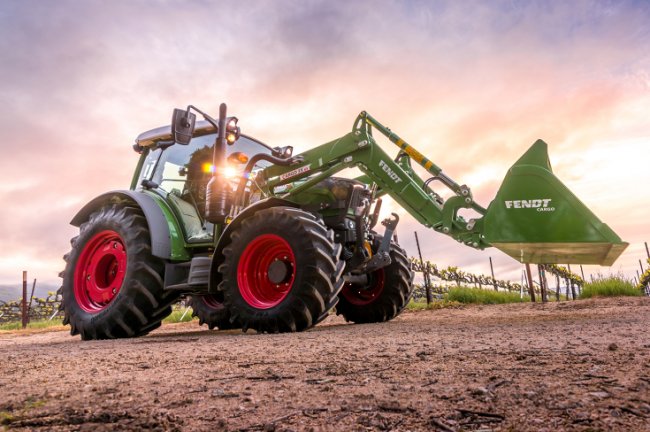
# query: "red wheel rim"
[362,295]
[212,302]
[257,287]
[100,271]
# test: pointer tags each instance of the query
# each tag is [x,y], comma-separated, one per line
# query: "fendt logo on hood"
[542,205]
[392,174]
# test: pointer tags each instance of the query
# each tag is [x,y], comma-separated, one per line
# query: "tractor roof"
[164,133]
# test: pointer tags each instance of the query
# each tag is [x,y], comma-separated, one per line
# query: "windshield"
[182,170]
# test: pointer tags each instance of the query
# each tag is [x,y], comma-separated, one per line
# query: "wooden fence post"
[425,272]
[531,287]
[494,281]
[573,289]
[542,282]
[24,304]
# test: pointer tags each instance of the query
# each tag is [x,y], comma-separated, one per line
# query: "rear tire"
[210,310]
[281,271]
[112,284]
[387,293]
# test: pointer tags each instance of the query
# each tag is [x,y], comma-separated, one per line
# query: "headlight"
[207,167]
[230,172]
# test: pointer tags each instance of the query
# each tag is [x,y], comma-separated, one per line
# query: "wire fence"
[40,309]
[437,281]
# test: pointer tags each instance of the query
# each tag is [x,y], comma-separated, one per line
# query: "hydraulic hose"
[239,194]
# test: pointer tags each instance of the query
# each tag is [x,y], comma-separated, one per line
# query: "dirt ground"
[562,366]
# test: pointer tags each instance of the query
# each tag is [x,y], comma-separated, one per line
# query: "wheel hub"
[212,302]
[278,271]
[266,271]
[100,271]
[365,294]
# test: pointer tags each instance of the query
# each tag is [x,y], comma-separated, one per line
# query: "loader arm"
[534,218]
[393,177]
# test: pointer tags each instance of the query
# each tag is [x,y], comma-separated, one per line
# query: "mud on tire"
[281,271]
[112,284]
[386,294]
[210,310]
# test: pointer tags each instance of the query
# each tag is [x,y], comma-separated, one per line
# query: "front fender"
[224,239]
[166,235]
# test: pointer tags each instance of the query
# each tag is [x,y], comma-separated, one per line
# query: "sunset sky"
[470,84]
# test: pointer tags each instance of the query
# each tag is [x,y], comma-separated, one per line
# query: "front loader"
[263,239]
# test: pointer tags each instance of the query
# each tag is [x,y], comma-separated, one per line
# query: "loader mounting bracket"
[381,258]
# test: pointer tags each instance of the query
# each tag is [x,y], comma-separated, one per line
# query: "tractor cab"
[180,173]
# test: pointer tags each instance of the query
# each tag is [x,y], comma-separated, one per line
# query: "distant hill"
[15,292]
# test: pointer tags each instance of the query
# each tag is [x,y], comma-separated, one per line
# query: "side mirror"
[182,126]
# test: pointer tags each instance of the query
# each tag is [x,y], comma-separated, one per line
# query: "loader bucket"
[535,219]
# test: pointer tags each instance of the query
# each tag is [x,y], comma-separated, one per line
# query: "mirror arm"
[164,144]
[212,121]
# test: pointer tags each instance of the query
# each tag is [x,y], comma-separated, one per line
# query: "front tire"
[386,294]
[112,284]
[281,271]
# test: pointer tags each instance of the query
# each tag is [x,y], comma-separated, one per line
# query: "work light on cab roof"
[232,130]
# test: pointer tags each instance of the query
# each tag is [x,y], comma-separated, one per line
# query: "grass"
[481,296]
[417,305]
[40,324]
[175,316]
[458,296]
[612,286]
[6,418]
[421,305]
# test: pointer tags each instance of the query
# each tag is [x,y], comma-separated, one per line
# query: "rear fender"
[224,239]
[166,236]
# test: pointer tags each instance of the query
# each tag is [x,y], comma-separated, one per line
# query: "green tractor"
[263,239]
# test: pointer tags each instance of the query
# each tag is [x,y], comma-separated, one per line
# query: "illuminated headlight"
[232,130]
[207,167]
[230,172]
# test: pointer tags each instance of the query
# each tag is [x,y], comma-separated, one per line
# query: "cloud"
[471,85]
